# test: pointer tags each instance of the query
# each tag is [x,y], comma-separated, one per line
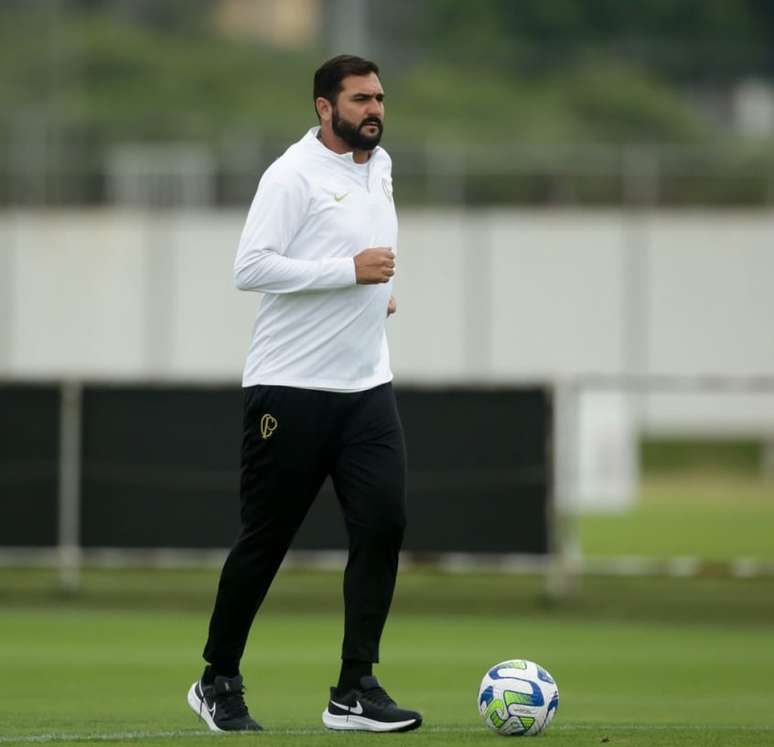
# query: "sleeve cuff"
[341,271]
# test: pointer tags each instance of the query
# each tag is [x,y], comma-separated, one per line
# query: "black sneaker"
[368,709]
[221,705]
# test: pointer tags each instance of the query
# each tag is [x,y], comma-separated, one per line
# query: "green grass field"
[639,661]
[713,516]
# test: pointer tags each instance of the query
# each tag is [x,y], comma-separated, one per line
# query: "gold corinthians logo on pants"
[268,425]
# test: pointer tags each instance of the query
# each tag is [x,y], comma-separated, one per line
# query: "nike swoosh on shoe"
[357,709]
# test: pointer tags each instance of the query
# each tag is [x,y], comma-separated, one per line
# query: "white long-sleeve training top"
[313,212]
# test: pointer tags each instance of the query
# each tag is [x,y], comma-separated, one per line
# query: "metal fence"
[530,500]
[51,173]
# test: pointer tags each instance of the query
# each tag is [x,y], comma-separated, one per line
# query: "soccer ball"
[518,698]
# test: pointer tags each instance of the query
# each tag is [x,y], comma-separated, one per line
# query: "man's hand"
[392,306]
[375,265]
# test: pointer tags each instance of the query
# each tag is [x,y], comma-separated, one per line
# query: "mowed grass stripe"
[711,599]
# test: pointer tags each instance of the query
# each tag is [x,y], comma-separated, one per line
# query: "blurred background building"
[523,103]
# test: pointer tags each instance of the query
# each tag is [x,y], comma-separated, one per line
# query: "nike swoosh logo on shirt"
[357,709]
[340,197]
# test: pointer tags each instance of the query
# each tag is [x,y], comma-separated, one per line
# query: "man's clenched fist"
[374,265]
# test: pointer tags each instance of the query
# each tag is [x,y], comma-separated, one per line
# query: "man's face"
[357,117]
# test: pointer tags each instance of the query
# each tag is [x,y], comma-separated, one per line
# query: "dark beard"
[352,134]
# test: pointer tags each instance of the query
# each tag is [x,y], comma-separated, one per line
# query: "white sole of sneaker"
[199,707]
[358,723]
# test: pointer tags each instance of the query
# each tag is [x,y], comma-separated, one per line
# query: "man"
[319,243]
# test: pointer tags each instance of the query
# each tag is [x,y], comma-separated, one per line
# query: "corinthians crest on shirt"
[387,186]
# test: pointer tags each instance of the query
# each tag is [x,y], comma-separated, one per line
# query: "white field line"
[123,736]
[140,735]
[602,728]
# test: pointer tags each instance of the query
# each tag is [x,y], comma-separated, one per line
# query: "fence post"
[69,499]
[565,563]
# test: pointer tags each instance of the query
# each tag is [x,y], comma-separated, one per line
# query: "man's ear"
[324,108]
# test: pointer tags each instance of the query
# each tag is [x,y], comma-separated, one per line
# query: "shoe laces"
[231,703]
[378,696]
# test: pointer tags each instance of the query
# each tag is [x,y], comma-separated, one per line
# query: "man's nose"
[375,108]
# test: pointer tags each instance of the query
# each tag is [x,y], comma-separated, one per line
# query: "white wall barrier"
[486,296]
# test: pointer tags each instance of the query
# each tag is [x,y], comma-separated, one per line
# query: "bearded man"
[319,244]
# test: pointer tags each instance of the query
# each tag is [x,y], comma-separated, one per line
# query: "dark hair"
[328,77]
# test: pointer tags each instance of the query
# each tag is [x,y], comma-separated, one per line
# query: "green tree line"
[559,71]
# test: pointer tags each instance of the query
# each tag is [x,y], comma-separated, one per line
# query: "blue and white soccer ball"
[518,698]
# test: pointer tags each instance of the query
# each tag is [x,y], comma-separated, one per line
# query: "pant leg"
[283,467]
[369,477]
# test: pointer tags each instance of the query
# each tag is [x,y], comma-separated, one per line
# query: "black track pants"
[294,438]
